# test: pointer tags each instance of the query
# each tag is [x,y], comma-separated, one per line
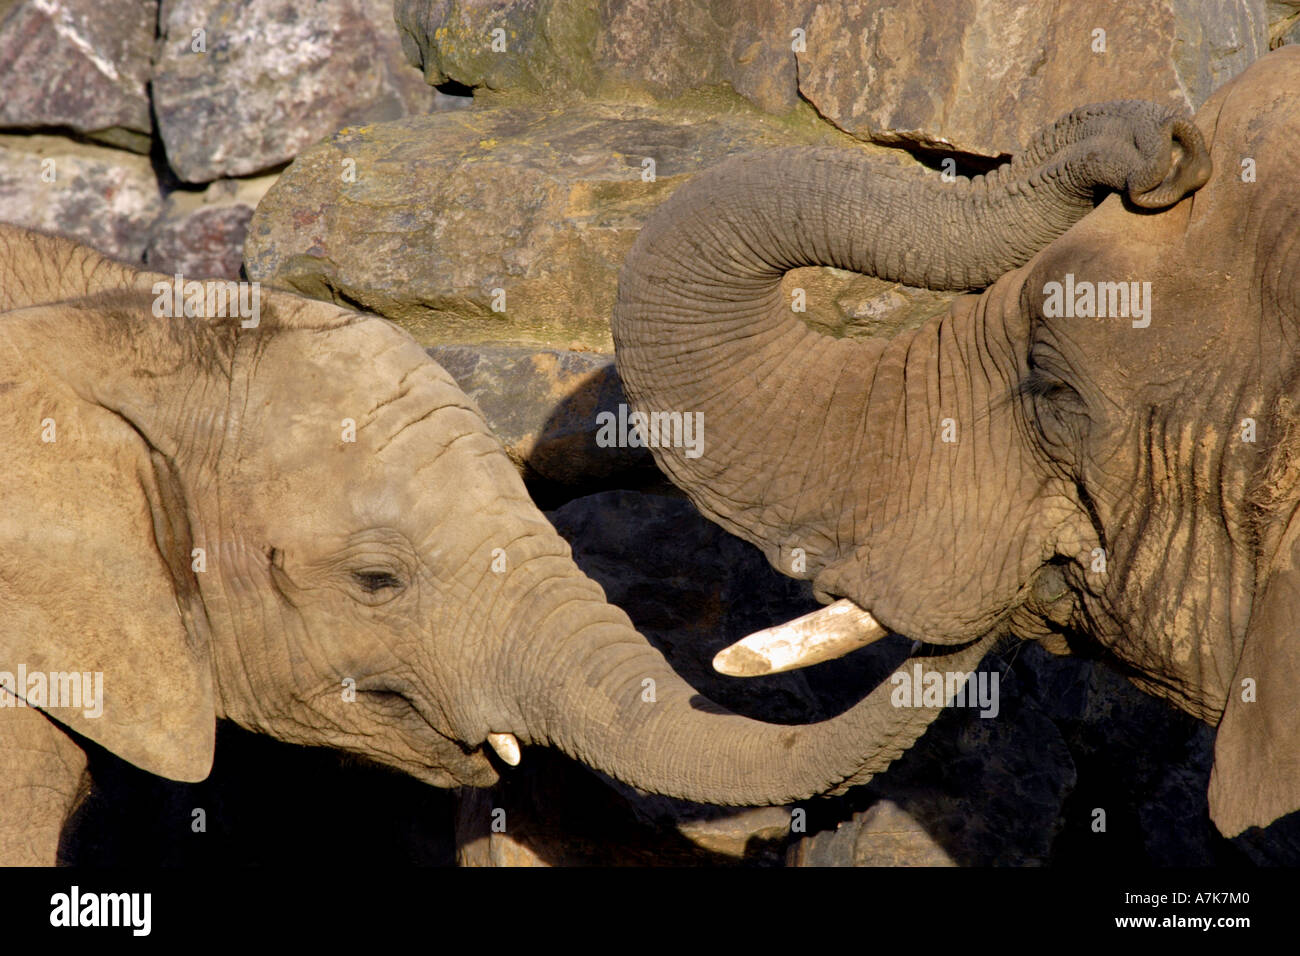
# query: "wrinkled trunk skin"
[586,682]
[832,446]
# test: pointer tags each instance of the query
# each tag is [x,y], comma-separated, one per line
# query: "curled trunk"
[796,423]
[592,686]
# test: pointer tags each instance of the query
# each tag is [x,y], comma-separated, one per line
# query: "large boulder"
[241,86]
[972,76]
[201,232]
[106,198]
[608,48]
[980,76]
[511,223]
[80,65]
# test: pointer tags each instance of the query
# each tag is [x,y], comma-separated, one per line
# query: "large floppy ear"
[101,625]
[1256,776]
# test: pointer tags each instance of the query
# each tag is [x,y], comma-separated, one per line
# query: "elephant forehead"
[1206,257]
[1251,125]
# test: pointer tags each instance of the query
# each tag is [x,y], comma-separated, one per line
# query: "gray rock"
[980,76]
[611,48]
[80,65]
[525,208]
[882,835]
[106,198]
[543,405]
[201,233]
[971,76]
[273,77]
[1283,23]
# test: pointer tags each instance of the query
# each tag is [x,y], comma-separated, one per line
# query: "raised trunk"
[588,683]
[798,426]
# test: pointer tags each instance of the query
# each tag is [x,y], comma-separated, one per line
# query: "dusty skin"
[184,513]
[1118,477]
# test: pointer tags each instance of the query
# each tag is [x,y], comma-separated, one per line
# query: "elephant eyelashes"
[372,582]
[1058,410]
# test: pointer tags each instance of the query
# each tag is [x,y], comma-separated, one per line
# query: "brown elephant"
[1099,452]
[295,520]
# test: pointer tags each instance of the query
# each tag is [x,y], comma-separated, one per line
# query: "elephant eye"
[373,582]
[1059,413]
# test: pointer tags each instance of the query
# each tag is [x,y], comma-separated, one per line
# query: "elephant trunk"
[701,326]
[593,687]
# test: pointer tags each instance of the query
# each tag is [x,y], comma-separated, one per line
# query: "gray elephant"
[1099,452]
[291,518]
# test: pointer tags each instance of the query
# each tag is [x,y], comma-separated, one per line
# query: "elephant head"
[1099,451]
[305,527]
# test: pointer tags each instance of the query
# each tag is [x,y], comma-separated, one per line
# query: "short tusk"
[820,636]
[506,746]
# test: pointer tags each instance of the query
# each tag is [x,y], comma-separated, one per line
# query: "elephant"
[1096,448]
[291,518]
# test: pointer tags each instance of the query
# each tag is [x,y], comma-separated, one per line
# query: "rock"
[543,405]
[528,209]
[106,198]
[882,835]
[985,74]
[1141,761]
[850,305]
[201,233]
[241,86]
[611,49]
[976,790]
[735,833]
[1283,23]
[80,65]
[970,76]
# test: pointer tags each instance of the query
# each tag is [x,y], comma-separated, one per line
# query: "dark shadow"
[454,88]
[265,803]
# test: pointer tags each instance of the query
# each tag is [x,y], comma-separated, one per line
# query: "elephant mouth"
[395,703]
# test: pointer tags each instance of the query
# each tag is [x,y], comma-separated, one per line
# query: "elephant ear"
[95,575]
[1256,776]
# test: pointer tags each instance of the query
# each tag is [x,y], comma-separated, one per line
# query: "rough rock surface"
[106,198]
[201,233]
[529,209]
[543,406]
[979,77]
[988,73]
[273,77]
[80,65]
[607,48]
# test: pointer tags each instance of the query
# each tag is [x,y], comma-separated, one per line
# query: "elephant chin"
[472,769]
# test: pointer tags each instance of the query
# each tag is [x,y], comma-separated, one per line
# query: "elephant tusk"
[506,746]
[823,635]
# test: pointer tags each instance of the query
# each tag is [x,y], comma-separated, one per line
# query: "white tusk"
[506,746]
[820,636]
